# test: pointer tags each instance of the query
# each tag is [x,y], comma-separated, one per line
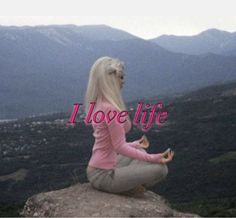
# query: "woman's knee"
[161,171]
[164,170]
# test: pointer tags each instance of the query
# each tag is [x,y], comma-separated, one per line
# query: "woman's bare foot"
[138,191]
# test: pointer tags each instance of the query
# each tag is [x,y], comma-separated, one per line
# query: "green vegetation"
[201,130]
[229,156]
[209,208]
[10,210]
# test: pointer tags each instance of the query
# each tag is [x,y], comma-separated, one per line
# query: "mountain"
[44,69]
[209,41]
[100,32]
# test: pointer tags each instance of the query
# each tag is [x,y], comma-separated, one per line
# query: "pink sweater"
[110,139]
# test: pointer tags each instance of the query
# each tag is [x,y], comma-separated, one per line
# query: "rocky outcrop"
[83,200]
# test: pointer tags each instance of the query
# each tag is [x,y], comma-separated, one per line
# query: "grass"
[11,210]
[224,157]
[209,208]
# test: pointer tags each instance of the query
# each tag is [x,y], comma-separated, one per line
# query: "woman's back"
[103,153]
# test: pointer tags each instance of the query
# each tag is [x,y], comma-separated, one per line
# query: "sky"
[144,18]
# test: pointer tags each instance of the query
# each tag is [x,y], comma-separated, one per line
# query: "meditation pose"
[118,166]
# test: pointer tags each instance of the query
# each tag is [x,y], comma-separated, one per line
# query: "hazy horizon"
[145,19]
[52,24]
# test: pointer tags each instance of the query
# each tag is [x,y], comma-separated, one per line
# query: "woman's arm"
[118,140]
[134,144]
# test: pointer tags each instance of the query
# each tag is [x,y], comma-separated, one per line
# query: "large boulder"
[83,200]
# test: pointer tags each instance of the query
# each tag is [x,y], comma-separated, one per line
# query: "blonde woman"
[117,166]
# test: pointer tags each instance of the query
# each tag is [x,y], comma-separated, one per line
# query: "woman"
[117,166]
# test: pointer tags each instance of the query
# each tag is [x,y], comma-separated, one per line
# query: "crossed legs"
[128,174]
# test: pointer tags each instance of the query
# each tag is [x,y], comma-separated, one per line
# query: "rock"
[83,200]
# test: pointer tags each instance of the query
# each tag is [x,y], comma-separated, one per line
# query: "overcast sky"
[144,18]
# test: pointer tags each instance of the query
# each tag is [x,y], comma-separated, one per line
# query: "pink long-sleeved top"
[110,139]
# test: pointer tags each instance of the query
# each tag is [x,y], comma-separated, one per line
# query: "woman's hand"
[164,157]
[167,156]
[144,143]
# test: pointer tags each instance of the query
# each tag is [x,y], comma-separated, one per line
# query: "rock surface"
[83,200]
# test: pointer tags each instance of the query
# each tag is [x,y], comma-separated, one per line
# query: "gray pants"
[128,174]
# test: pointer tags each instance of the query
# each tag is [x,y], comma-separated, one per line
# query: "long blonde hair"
[103,83]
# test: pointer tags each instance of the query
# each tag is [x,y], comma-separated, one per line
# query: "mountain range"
[209,41]
[45,69]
